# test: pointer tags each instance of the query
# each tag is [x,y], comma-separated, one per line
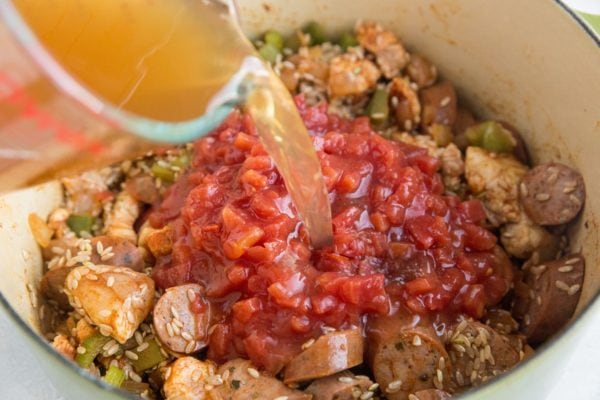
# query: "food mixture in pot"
[188,274]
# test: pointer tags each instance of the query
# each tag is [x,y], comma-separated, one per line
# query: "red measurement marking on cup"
[16,95]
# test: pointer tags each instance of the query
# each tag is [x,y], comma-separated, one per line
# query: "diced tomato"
[398,240]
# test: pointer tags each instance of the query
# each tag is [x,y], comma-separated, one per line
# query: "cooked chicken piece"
[351,76]
[119,222]
[310,63]
[423,141]
[405,103]
[421,71]
[495,178]
[83,330]
[83,192]
[187,379]
[63,346]
[41,232]
[160,242]
[114,299]
[453,166]
[289,76]
[523,237]
[391,55]
[57,220]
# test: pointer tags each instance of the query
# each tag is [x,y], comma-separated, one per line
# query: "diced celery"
[378,108]
[441,134]
[492,136]
[114,376]
[93,347]
[149,357]
[183,160]
[274,38]
[268,52]
[163,173]
[347,40]
[316,32]
[81,222]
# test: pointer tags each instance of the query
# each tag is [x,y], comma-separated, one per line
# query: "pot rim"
[545,348]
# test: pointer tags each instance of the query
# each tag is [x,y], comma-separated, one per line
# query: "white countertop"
[21,378]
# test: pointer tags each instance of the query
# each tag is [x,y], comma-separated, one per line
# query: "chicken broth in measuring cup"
[173,61]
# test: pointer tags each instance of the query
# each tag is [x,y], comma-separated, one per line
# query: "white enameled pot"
[531,63]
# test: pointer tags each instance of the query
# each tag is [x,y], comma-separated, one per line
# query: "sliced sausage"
[464,119]
[431,394]
[554,290]
[479,353]
[143,188]
[552,193]
[181,318]
[52,287]
[330,353]
[241,381]
[115,252]
[342,386]
[124,253]
[520,151]
[421,71]
[438,103]
[406,355]
[501,320]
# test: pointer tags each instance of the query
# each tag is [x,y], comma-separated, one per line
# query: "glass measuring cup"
[50,121]
[76,77]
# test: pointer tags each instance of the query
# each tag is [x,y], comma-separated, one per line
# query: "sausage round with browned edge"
[181,318]
[406,355]
[342,386]
[52,286]
[438,104]
[554,290]
[117,252]
[430,394]
[241,381]
[478,353]
[552,193]
[331,353]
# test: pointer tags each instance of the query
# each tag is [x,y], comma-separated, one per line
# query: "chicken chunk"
[63,346]
[351,76]
[187,379]
[116,300]
[453,166]
[83,192]
[391,55]
[405,103]
[119,222]
[310,63]
[523,237]
[495,179]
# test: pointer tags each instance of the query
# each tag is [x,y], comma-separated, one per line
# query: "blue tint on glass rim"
[151,129]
